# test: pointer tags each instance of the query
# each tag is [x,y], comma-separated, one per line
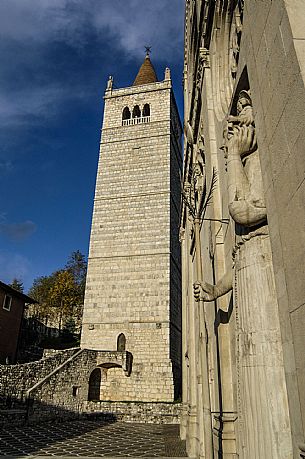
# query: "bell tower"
[133,297]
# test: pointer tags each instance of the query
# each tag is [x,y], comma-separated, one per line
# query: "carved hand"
[242,142]
[244,118]
[207,292]
[204,291]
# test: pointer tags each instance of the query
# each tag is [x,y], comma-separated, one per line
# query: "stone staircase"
[12,412]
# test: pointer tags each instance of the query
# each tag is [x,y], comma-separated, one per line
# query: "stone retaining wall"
[15,380]
[55,387]
[150,413]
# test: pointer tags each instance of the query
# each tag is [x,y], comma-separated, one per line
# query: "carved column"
[204,383]
[185,382]
[264,427]
[193,431]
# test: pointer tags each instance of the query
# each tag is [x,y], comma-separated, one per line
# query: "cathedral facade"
[133,295]
[243,230]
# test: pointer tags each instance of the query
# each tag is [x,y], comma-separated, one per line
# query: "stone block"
[295,11]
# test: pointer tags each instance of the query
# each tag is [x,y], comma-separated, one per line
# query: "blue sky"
[56,56]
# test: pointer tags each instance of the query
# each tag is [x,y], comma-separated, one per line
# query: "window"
[121,343]
[136,112]
[138,115]
[75,391]
[146,110]
[7,302]
[126,114]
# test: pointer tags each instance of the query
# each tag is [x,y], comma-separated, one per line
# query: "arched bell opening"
[146,110]
[136,112]
[126,114]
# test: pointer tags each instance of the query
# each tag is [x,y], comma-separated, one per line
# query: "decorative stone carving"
[181,234]
[235,36]
[109,83]
[261,387]
[245,188]
[226,43]
[167,74]
[203,62]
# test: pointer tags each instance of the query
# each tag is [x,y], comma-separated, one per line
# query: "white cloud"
[132,22]
[137,23]
[123,27]
[34,103]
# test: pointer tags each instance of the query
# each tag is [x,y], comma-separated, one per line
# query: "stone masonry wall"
[149,413]
[15,380]
[57,387]
[132,260]
[273,50]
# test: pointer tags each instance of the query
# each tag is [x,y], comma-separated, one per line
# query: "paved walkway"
[88,438]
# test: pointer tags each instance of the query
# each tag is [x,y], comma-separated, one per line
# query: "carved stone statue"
[110,83]
[261,388]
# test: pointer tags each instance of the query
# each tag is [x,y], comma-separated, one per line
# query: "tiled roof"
[146,73]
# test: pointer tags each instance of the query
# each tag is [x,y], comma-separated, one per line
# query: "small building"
[12,304]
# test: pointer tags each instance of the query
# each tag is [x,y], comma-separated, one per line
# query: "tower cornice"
[145,88]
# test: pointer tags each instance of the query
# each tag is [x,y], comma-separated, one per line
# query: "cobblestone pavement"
[87,438]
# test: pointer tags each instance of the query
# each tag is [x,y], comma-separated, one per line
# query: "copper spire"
[147,72]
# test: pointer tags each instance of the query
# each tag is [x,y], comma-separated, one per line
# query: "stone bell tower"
[133,295]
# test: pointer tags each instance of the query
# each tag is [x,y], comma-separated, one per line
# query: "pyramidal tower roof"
[147,73]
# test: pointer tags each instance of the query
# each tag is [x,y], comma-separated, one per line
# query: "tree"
[40,291]
[61,295]
[77,266]
[17,284]
[64,295]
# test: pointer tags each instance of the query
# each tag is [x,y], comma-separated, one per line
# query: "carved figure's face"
[242,103]
[197,171]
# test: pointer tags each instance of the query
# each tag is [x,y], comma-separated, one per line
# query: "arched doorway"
[121,342]
[95,385]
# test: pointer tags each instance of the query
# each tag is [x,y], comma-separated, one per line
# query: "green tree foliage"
[17,284]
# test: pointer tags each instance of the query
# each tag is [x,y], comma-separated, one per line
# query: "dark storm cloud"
[17,231]
[39,36]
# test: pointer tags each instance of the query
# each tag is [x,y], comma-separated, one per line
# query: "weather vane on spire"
[148,50]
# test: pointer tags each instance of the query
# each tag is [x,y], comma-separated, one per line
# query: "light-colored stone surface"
[267,39]
[133,281]
[136,412]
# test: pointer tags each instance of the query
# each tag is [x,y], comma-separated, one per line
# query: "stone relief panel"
[224,50]
[261,394]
